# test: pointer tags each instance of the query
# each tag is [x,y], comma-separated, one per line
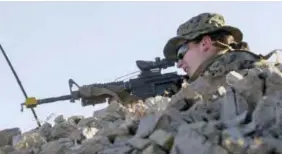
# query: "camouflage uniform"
[211,74]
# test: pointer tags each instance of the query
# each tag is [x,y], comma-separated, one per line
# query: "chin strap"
[270,54]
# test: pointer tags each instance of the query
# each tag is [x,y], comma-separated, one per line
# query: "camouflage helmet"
[198,25]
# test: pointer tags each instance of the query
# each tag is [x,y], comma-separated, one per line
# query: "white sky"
[50,42]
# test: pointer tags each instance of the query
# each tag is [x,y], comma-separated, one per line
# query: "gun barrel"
[31,101]
[54,99]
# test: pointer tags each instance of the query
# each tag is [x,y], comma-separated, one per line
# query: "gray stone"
[153,149]
[190,140]
[123,139]
[250,87]
[7,149]
[59,119]
[87,122]
[45,131]
[209,130]
[237,120]
[89,132]
[233,140]
[181,105]
[136,151]
[93,145]
[63,130]
[268,111]
[30,139]
[156,104]
[116,110]
[100,113]
[6,136]
[116,149]
[171,119]
[113,132]
[2,152]
[138,143]
[274,144]
[273,79]
[61,146]
[202,111]
[259,147]
[74,119]
[228,106]
[148,124]
[162,138]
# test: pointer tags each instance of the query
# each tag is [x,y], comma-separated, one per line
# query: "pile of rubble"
[243,117]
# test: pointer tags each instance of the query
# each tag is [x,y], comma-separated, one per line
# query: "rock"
[190,140]
[268,111]
[162,138]
[122,140]
[232,104]
[181,105]
[111,133]
[6,136]
[7,149]
[153,148]
[29,140]
[251,86]
[59,119]
[45,131]
[233,140]
[156,104]
[148,124]
[89,132]
[116,149]
[63,130]
[139,143]
[202,111]
[89,122]
[75,119]
[265,145]
[94,145]
[63,145]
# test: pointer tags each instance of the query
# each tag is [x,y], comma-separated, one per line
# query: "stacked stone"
[244,117]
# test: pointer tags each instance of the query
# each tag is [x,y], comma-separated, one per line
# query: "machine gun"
[149,83]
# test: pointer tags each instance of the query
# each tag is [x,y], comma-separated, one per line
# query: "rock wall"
[244,117]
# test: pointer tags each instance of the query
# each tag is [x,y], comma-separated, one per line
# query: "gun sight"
[158,63]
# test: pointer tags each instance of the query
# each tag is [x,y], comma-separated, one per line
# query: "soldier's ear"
[206,43]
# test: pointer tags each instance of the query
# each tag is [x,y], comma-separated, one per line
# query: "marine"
[207,49]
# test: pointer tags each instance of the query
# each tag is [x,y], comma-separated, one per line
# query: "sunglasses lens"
[181,51]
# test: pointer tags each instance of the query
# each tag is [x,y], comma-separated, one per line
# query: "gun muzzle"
[33,102]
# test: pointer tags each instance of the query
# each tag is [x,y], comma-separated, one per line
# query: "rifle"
[149,83]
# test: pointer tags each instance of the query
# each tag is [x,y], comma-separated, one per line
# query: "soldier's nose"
[179,64]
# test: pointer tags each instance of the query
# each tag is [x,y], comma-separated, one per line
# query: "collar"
[206,64]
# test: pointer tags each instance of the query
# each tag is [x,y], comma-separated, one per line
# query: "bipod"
[19,83]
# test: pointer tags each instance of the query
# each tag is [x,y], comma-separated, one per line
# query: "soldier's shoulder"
[234,60]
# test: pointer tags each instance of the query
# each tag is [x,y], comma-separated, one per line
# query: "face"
[191,55]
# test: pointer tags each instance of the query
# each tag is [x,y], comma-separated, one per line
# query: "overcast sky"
[50,42]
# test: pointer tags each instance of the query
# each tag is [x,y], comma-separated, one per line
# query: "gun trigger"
[31,102]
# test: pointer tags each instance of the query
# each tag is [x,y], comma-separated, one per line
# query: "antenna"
[19,83]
